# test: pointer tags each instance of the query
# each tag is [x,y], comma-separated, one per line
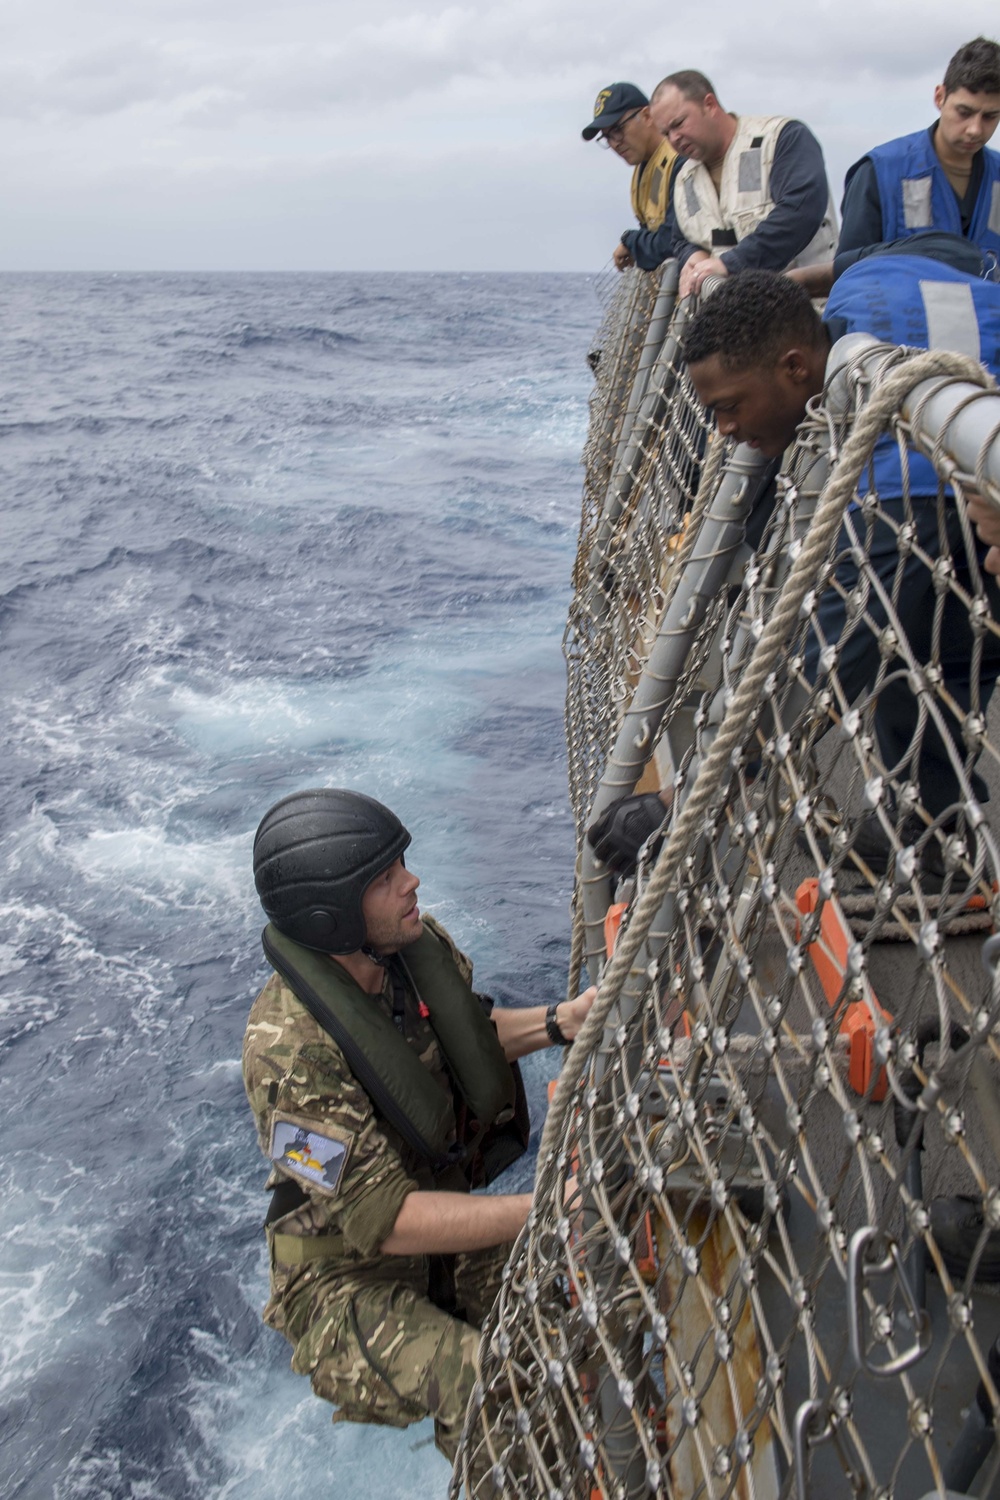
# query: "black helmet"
[314,855]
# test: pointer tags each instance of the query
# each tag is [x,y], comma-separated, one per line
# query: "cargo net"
[641,465]
[764,1253]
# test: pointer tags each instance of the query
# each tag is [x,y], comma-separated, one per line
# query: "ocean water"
[259,532]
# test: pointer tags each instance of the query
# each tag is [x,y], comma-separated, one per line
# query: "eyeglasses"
[608,137]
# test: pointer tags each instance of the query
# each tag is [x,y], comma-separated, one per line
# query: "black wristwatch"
[552,1027]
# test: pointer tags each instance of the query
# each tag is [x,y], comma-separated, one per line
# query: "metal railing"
[777,1269]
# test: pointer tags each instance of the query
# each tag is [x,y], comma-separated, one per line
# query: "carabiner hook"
[858,1272]
[804,1440]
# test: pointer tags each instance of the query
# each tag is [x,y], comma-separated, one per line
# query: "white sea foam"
[48,1281]
[268,1423]
[157,868]
[45,726]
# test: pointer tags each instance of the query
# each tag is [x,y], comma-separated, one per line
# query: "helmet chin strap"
[381,959]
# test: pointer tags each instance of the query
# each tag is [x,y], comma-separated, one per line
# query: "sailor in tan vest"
[752,193]
[622,122]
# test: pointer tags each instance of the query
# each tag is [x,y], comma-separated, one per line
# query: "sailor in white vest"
[752,194]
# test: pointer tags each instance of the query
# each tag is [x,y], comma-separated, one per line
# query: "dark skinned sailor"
[757,353]
[383,1088]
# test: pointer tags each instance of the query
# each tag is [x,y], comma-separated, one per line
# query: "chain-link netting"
[764,1253]
[640,459]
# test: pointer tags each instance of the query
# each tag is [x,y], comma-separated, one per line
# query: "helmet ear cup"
[321,927]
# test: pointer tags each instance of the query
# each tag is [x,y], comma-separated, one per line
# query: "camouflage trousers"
[381,1351]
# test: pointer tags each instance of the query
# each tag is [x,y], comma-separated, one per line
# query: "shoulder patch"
[308,1154]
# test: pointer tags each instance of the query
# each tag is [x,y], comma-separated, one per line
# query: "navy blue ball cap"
[611,104]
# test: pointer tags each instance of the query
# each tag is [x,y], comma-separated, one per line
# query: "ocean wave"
[231,573]
[250,336]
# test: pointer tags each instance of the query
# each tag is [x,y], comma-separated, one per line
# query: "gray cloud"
[384,59]
[237,57]
[477,108]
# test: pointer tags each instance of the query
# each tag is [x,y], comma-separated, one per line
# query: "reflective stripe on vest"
[709,218]
[915,192]
[908,299]
[651,186]
[386,1066]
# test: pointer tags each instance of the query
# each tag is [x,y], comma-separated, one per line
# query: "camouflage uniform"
[361,1323]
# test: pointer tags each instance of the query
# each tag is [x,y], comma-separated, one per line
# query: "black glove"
[621,831]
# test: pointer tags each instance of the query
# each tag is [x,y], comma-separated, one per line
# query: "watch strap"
[552,1027]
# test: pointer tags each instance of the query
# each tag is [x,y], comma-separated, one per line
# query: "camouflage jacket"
[301,1089]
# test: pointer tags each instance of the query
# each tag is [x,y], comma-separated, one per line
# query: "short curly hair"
[752,319]
[975,67]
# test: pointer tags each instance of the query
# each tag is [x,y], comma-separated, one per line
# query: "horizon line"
[279,271]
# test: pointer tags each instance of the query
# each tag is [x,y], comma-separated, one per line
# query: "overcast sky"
[402,134]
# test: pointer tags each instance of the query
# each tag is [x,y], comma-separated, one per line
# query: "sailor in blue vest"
[940,178]
[908,300]
[757,353]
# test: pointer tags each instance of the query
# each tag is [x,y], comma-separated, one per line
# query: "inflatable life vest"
[916,194]
[719,220]
[386,1066]
[651,186]
[906,299]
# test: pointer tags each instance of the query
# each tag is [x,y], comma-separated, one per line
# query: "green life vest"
[386,1066]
